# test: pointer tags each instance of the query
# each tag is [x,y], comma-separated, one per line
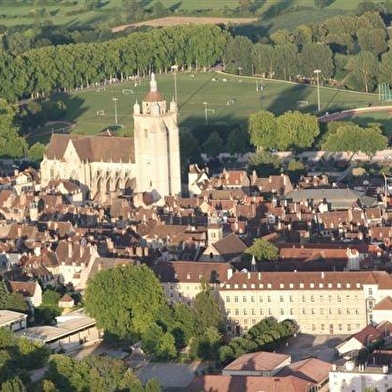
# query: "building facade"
[149,162]
[319,302]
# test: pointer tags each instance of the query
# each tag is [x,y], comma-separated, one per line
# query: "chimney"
[322,275]
[259,275]
[248,275]
[19,233]
[70,249]
[229,273]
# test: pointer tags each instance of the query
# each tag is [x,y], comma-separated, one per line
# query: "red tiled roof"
[310,369]
[27,289]
[217,383]
[191,271]
[309,280]
[258,361]
[384,304]
[367,335]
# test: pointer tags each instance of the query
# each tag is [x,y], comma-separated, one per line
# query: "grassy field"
[22,12]
[228,102]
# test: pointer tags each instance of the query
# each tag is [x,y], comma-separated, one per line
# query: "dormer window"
[269,286]
[301,285]
[188,276]
[281,285]
[312,285]
[339,285]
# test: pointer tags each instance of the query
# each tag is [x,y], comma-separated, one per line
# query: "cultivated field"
[173,20]
[228,100]
[72,14]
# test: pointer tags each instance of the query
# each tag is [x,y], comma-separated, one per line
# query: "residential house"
[31,291]
[229,248]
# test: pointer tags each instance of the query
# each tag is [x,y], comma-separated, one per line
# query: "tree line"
[349,50]
[298,131]
[39,72]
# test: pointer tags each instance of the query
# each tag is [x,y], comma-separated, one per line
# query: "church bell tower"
[157,145]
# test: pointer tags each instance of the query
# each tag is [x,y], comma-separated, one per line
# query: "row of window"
[289,298]
[283,312]
[292,286]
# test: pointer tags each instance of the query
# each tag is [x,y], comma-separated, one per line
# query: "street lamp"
[205,111]
[317,72]
[115,110]
[174,69]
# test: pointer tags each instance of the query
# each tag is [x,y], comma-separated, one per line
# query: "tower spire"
[153,83]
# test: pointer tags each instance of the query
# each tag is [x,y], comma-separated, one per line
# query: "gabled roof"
[384,304]
[310,369]
[367,335]
[27,289]
[93,148]
[258,361]
[218,383]
[191,271]
[230,246]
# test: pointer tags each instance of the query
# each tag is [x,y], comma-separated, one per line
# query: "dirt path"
[175,20]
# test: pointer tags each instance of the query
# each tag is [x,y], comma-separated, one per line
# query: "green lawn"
[229,102]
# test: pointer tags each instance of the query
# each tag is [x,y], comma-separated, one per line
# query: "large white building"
[335,303]
[148,162]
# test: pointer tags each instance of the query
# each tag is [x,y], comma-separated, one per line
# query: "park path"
[352,112]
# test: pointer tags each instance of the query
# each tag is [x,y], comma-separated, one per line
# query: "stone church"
[103,164]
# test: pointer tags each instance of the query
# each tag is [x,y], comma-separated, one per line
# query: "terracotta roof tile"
[190,271]
[258,361]
[310,369]
[217,383]
[352,280]
[93,148]
[384,304]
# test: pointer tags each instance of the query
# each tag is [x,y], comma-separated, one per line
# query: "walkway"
[352,112]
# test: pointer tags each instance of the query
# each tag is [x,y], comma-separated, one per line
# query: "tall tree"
[373,40]
[11,144]
[353,138]
[262,129]
[364,69]
[206,310]
[213,146]
[238,55]
[125,300]
[263,250]
[296,130]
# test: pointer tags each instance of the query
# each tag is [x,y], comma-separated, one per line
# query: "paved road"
[320,346]
[170,375]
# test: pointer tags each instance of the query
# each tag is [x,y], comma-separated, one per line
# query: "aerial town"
[213,238]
